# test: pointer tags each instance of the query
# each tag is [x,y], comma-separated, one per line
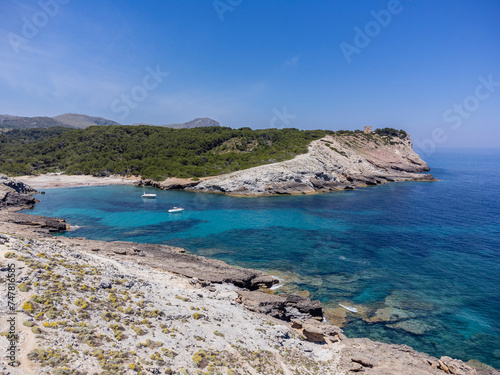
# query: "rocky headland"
[93,307]
[335,162]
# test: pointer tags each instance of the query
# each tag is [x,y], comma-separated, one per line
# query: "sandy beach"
[55,180]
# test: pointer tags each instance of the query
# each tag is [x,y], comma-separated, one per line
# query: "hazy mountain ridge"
[83,121]
[200,122]
[80,121]
[9,122]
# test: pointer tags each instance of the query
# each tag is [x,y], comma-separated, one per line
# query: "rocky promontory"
[335,162]
[340,161]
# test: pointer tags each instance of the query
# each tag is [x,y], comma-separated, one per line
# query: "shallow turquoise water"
[430,251]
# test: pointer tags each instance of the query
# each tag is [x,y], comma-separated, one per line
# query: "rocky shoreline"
[124,308]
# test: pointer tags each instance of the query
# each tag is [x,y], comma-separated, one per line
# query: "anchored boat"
[176,209]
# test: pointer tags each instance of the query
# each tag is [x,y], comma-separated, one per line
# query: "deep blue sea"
[420,260]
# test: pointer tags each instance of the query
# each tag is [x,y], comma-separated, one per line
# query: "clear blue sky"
[244,64]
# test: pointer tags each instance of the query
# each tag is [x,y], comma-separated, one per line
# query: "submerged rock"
[407,301]
[401,306]
[415,326]
[389,314]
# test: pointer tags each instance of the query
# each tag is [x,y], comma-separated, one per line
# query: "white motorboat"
[149,196]
[176,209]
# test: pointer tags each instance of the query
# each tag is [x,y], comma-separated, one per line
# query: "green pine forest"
[152,151]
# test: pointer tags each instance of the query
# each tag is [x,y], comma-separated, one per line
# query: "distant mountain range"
[83,121]
[74,120]
[196,123]
[8,122]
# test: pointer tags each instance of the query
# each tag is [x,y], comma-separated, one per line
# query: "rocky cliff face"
[335,162]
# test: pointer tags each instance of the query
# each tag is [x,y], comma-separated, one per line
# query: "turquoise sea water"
[424,257]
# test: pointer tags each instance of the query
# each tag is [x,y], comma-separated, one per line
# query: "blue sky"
[430,67]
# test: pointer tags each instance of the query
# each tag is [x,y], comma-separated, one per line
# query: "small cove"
[420,260]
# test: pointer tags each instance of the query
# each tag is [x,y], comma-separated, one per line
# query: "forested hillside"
[149,151]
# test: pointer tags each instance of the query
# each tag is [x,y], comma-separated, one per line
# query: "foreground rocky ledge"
[122,308]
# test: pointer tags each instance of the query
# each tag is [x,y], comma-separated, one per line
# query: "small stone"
[366,362]
[357,368]
[313,333]
[105,285]
[443,367]
[332,339]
